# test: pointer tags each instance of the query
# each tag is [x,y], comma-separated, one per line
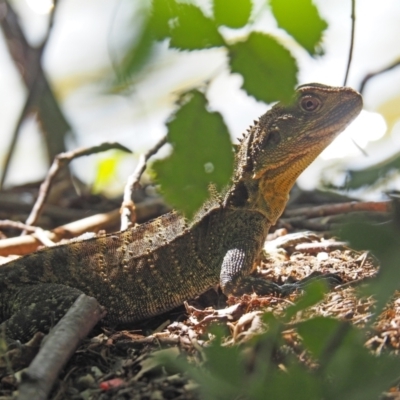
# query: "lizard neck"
[267,195]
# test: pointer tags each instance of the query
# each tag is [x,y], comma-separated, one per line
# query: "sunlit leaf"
[300,18]
[201,154]
[192,30]
[106,171]
[268,69]
[234,14]
[162,16]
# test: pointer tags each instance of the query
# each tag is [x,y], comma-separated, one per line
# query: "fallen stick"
[58,347]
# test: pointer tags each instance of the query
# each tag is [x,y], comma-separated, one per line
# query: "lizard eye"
[309,103]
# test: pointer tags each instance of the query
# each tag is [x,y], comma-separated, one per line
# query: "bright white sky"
[87,33]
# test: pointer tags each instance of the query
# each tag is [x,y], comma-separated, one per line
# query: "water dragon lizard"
[154,267]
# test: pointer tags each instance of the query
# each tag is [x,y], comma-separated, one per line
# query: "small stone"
[322,256]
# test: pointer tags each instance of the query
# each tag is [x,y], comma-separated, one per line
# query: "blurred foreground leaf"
[342,368]
[384,242]
[268,69]
[234,14]
[300,18]
[371,175]
[192,30]
[202,153]
[347,370]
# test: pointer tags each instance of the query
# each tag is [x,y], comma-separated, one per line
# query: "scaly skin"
[157,266]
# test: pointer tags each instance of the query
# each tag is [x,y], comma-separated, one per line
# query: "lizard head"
[287,139]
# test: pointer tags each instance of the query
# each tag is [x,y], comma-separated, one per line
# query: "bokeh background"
[88,40]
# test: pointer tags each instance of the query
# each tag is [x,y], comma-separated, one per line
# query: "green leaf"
[155,27]
[268,69]
[295,383]
[315,332]
[192,30]
[234,14]
[384,242]
[373,174]
[162,15]
[300,19]
[346,368]
[185,24]
[202,153]
[138,55]
[314,293]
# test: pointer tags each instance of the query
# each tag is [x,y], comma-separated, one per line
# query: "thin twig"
[353,25]
[7,223]
[60,161]
[373,74]
[128,213]
[340,208]
[40,234]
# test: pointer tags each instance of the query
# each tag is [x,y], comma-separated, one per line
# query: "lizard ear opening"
[273,138]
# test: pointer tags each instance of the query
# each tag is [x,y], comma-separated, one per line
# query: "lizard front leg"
[235,276]
[236,267]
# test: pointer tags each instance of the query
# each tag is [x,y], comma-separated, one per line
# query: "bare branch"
[341,208]
[373,74]
[128,211]
[60,161]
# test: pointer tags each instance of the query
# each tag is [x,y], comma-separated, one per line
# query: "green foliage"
[343,367]
[162,12]
[314,294]
[373,174]
[233,14]
[269,74]
[268,69]
[301,20]
[346,369]
[139,54]
[384,242]
[193,30]
[201,154]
